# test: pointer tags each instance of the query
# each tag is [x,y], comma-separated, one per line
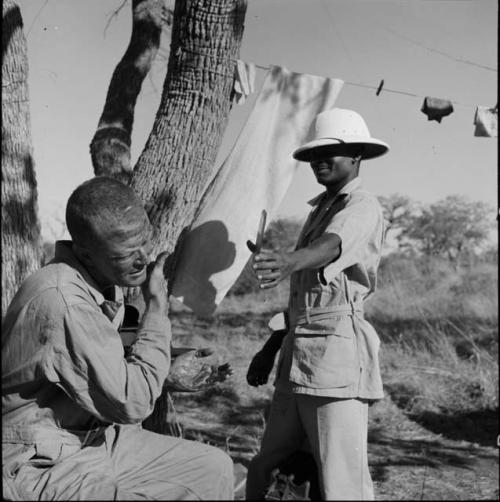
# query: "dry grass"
[428,375]
[438,357]
[434,289]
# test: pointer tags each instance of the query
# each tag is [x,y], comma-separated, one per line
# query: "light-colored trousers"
[336,430]
[126,463]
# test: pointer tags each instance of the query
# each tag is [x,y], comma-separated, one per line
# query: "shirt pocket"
[325,354]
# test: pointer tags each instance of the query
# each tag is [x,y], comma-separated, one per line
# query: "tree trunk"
[21,241]
[110,146]
[179,156]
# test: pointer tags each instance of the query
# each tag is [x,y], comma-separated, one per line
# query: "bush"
[427,374]
[432,288]
[48,251]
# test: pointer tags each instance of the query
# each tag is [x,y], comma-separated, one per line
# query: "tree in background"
[450,228]
[398,212]
[21,241]
[282,234]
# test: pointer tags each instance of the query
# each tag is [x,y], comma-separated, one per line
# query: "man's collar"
[346,189]
[64,253]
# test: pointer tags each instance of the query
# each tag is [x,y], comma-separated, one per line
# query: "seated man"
[72,401]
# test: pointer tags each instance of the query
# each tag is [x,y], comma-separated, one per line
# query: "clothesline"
[385,89]
[485,118]
[347,82]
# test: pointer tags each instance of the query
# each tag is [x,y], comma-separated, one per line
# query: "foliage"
[281,233]
[47,251]
[451,227]
[398,211]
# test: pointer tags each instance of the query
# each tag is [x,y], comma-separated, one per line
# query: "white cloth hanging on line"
[244,81]
[255,176]
[486,122]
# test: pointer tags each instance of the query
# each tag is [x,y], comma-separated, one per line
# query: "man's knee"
[220,461]
[219,470]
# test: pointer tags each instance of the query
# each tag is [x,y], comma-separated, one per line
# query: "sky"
[439,48]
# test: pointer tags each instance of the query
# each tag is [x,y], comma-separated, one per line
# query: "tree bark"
[180,152]
[21,241]
[179,155]
[110,146]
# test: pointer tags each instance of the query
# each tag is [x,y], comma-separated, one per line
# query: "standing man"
[328,369]
[72,401]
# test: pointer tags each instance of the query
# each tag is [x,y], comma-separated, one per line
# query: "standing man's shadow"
[205,250]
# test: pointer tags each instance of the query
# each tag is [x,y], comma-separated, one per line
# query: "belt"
[316,314]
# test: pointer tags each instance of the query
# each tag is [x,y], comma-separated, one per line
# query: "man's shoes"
[282,487]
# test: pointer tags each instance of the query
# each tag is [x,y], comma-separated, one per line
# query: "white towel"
[244,81]
[255,176]
[486,122]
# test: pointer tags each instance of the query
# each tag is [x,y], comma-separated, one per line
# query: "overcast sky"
[439,48]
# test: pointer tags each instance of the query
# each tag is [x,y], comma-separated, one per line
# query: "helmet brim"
[349,147]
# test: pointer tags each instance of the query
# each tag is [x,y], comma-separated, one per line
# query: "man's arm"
[88,360]
[338,248]
[263,362]
[272,267]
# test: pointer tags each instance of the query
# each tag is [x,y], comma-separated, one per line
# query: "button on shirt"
[63,364]
[331,350]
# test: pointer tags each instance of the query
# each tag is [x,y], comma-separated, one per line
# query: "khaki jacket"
[64,372]
[331,350]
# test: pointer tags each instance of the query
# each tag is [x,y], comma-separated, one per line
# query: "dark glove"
[260,368]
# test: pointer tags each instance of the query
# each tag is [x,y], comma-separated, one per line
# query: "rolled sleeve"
[90,365]
[355,225]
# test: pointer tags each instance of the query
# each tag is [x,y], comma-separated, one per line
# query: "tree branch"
[110,146]
[114,14]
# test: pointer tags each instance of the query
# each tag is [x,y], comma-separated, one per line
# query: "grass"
[439,332]
[434,289]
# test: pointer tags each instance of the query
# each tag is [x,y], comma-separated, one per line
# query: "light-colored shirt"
[331,350]
[64,369]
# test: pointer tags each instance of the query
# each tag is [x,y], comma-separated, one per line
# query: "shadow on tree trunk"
[11,21]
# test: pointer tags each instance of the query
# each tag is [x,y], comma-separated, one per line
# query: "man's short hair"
[99,204]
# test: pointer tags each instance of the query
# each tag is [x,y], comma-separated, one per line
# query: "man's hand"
[154,288]
[190,373]
[131,293]
[271,267]
[260,368]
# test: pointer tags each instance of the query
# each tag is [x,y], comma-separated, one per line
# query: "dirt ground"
[407,461]
[410,462]
[437,458]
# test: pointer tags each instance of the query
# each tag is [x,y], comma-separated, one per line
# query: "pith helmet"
[340,132]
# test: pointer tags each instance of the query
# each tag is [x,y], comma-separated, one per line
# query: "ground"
[429,456]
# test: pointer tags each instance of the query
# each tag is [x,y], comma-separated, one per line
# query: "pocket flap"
[335,325]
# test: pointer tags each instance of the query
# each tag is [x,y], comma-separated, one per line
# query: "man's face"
[333,170]
[121,254]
